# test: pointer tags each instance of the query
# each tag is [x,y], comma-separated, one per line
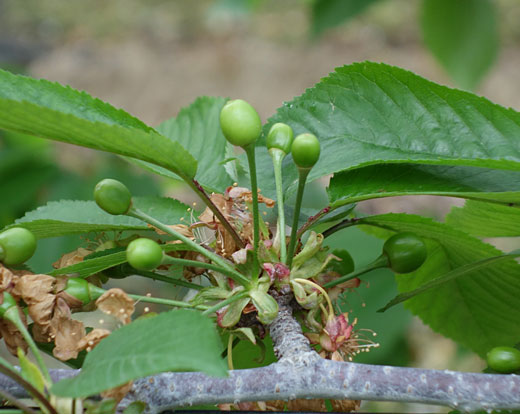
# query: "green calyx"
[405,252]
[504,359]
[7,303]
[144,254]
[82,290]
[16,245]
[240,123]
[280,136]
[113,196]
[305,150]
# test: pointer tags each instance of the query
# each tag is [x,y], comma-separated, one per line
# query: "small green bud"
[17,245]
[406,252]
[265,304]
[305,150]
[504,359]
[240,123]
[281,137]
[144,254]
[113,196]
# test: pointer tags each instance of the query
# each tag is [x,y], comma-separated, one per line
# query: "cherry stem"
[195,186]
[278,155]
[232,273]
[163,278]
[13,316]
[380,262]
[250,152]
[230,352]
[225,302]
[303,173]
[169,302]
[195,263]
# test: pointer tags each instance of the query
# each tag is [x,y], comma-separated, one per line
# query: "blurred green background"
[153,57]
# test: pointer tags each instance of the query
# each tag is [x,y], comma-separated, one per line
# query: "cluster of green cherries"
[241,125]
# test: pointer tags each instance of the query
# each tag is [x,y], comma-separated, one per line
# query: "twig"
[342,225]
[301,373]
[313,219]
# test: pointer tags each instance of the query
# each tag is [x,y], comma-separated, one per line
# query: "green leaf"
[59,218]
[178,340]
[486,219]
[480,309]
[136,407]
[329,13]
[463,36]
[99,261]
[31,372]
[197,128]
[368,113]
[459,271]
[91,266]
[53,111]
[390,180]
[21,168]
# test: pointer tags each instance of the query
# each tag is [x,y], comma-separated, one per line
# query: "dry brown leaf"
[12,336]
[72,301]
[93,338]
[7,279]
[117,303]
[71,258]
[68,332]
[41,312]
[33,288]
[307,405]
[225,244]
[345,406]
[247,196]
[179,228]
[190,272]
[37,291]
[118,393]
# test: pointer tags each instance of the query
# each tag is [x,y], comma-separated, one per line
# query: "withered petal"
[117,303]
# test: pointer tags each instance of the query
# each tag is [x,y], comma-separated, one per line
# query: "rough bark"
[301,373]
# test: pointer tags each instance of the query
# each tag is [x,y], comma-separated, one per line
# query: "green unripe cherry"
[305,150]
[405,252]
[113,196]
[504,359]
[240,123]
[16,245]
[81,289]
[280,136]
[144,254]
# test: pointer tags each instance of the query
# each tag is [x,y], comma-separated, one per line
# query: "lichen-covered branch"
[301,373]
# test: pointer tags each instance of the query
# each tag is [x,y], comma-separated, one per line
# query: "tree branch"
[301,373]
